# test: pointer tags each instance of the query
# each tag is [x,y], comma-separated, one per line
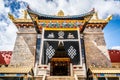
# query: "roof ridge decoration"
[95,18]
[60,13]
[11,16]
[109,18]
[25,18]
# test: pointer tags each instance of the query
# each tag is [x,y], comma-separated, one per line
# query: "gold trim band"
[61,29]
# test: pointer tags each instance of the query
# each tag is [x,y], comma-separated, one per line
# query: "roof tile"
[114,56]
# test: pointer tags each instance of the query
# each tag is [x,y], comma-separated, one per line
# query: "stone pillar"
[68,64]
[25,77]
[106,78]
[95,77]
[71,69]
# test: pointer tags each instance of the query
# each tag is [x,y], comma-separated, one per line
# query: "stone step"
[60,78]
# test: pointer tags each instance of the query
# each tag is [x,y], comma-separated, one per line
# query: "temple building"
[59,47]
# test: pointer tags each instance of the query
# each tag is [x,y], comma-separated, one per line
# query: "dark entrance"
[60,62]
[60,67]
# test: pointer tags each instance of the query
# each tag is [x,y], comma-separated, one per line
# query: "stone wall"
[30,36]
[95,55]
[30,40]
[24,49]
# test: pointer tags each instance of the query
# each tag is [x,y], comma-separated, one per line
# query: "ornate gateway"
[58,45]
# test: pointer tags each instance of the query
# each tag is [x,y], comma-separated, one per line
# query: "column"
[71,69]
[68,65]
[106,78]
[51,68]
[119,78]
[95,77]
[25,77]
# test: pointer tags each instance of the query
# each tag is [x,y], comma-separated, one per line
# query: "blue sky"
[112,32]
[70,7]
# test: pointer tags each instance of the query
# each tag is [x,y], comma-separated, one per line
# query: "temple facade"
[58,47]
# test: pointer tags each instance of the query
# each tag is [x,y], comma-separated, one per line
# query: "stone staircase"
[60,78]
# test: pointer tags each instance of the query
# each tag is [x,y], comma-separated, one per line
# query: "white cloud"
[70,7]
[75,7]
[7,30]
[7,37]
[106,8]
[1,6]
[6,47]
[116,47]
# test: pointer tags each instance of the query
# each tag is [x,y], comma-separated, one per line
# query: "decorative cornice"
[62,29]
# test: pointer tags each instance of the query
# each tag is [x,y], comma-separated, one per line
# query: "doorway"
[60,62]
[60,67]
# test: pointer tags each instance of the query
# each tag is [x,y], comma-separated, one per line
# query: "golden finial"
[95,16]
[109,18]
[60,13]
[11,16]
[25,14]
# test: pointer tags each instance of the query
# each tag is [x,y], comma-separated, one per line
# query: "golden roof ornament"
[11,16]
[95,16]
[109,18]
[25,14]
[60,13]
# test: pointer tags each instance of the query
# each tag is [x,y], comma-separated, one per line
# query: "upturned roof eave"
[61,17]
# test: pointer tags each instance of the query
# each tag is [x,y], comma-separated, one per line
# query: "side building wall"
[25,47]
[95,48]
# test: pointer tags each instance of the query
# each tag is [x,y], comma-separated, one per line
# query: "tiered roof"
[59,21]
[39,20]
